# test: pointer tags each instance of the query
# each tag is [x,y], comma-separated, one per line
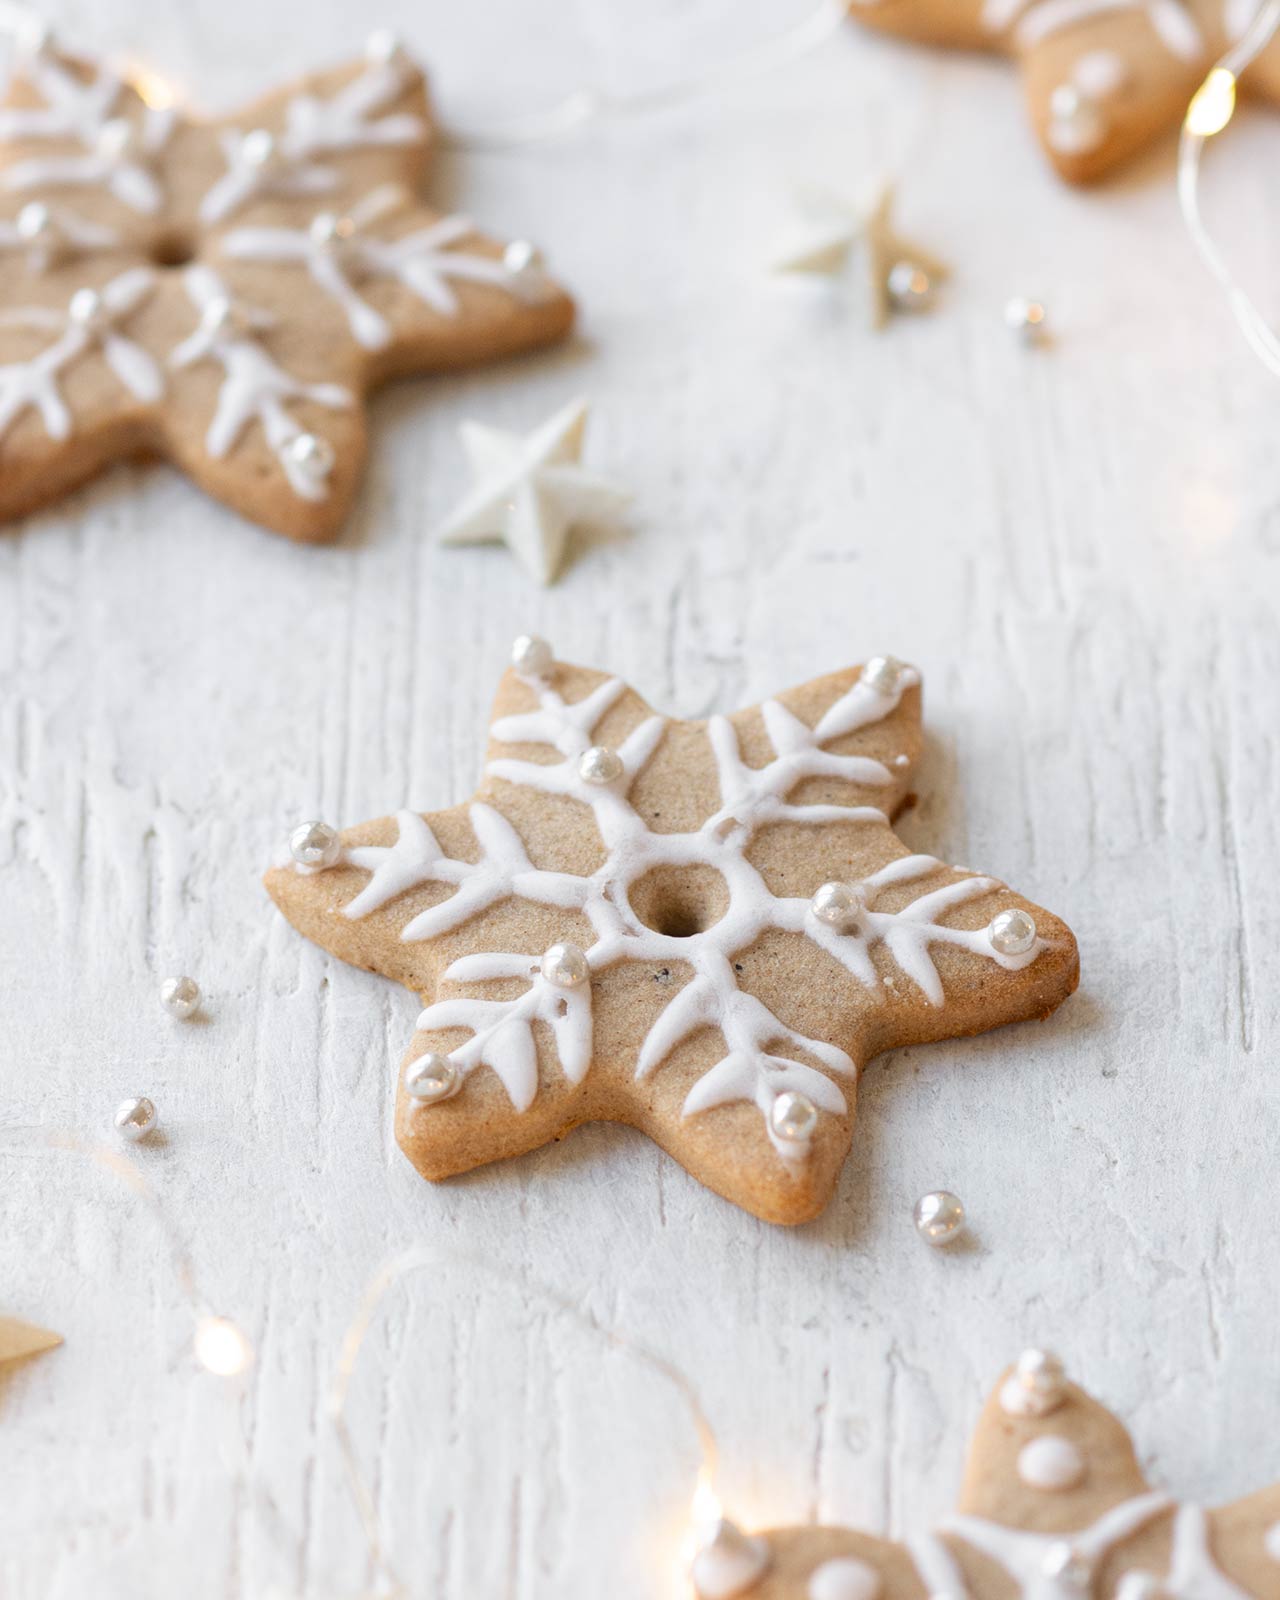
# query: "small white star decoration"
[530,491]
[901,274]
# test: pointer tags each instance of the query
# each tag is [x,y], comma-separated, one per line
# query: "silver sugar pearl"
[1042,1373]
[839,905]
[910,287]
[1012,933]
[258,147]
[793,1117]
[1142,1586]
[114,138]
[324,229]
[600,765]
[180,997]
[35,220]
[939,1217]
[312,455]
[1076,122]
[521,257]
[315,844]
[1026,318]
[532,657]
[431,1077]
[1065,1565]
[883,674]
[87,309]
[565,966]
[136,1118]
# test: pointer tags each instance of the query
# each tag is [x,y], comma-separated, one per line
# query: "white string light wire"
[583,106]
[705,1504]
[1207,116]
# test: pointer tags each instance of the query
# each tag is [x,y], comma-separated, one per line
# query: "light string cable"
[1209,113]
[395,1272]
[587,105]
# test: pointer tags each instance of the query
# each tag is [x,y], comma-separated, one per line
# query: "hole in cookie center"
[680,901]
[173,249]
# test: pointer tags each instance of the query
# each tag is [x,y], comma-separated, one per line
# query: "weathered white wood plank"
[1079,546]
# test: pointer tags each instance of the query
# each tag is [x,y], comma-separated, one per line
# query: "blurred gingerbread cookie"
[225,293]
[1053,1507]
[1103,77]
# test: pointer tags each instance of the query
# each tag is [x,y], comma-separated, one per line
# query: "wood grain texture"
[1081,549]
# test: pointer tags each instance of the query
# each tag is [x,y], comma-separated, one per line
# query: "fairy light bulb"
[221,1348]
[1214,104]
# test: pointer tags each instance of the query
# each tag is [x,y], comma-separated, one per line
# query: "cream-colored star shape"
[835,229]
[531,492]
[225,293]
[1054,1506]
[21,1339]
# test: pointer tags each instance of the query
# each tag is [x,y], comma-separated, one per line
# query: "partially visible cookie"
[1103,77]
[225,293]
[701,929]
[1054,1507]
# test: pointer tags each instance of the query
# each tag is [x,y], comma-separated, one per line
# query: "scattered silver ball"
[565,966]
[600,765]
[136,1118]
[35,221]
[939,1217]
[532,657]
[431,1077]
[315,844]
[312,455]
[1065,1565]
[521,258]
[258,148]
[910,287]
[793,1117]
[1026,318]
[1012,933]
[87,309]
[180,997]
[839,905]
[883,674]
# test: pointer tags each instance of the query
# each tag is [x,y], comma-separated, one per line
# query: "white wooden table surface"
[1079,546]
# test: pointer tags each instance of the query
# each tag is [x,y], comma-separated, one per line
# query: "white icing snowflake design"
[762,1060]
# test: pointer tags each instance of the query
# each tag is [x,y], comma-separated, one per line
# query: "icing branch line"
[254,386]
[90,323]
[338,254]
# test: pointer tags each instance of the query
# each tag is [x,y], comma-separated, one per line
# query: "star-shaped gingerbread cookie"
[1054,1506]
[1103,77]
[701,929]
[225,293]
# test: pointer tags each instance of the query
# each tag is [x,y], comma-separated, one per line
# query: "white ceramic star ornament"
[530,491]
[901,274]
